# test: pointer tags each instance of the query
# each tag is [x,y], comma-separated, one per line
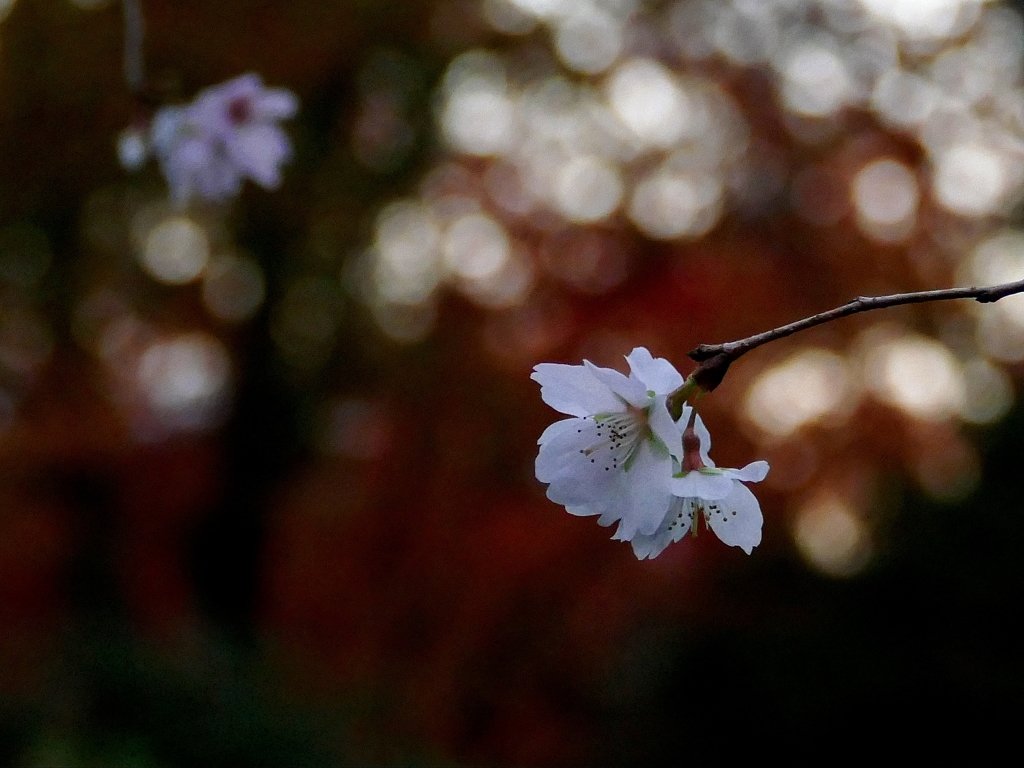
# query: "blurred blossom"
[176,251]
[132,148]
[831,536]
[801,390]
[988,392]
[667,205]
[589,41]
[408,265]
[477,116]
[925,19]
[233,288]
[903,98]
[475,247]
[815,80]
[229,133]
[885,196]
[505,287]
[542,8]
[647,98]
[185,380]
[587,189]
[508,17]
[970,180]
[916,374]
[749,34]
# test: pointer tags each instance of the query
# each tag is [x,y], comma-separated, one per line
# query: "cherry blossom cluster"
[207,148]
[621,456]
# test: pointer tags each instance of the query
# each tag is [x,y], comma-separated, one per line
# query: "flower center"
[692,460]
[239,110]
[618,435]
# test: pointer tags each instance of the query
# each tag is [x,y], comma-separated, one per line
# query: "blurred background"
[266,468]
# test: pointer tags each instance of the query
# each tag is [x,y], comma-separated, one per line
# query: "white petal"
[571,490]
[754,472]
[574,390]
[701,485]
[562,452]
[259,150]
[673,528]
[656,374]
[684,418]
[559,427]
[705,440]
[630,390]
[644,495]
[664,428]
[275,104]
[737,519]
[583,510]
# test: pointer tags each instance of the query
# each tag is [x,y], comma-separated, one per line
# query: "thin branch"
[715,359]
[134,35]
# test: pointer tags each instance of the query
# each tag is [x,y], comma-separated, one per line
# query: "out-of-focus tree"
[268,462]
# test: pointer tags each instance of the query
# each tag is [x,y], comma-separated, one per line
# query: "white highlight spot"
[475,247]
[918,375]
[176,251]
[649,101]
[815,81]
[885,197]
[185,379]
[588,189]
[970,180]
[799,391]
[831,537]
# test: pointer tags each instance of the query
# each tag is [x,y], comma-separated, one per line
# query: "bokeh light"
[176,250]
[832,537]
[185,380]
[801,390]
[918,375]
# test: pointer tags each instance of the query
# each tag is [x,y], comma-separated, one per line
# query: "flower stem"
[715,359]
[134,34]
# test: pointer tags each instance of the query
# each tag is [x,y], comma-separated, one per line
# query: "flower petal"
[258,151]
[737,519]
[630,390]
[705,440]
[674,527]
[574,390]
[559,427]
[656,373]
[754,472]
[275,104]
[664,428]
[702,485]
[644,496]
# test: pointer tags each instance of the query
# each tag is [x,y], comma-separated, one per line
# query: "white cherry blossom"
[616,456]
[700,489]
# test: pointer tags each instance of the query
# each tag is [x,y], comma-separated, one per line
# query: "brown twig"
[715,359]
